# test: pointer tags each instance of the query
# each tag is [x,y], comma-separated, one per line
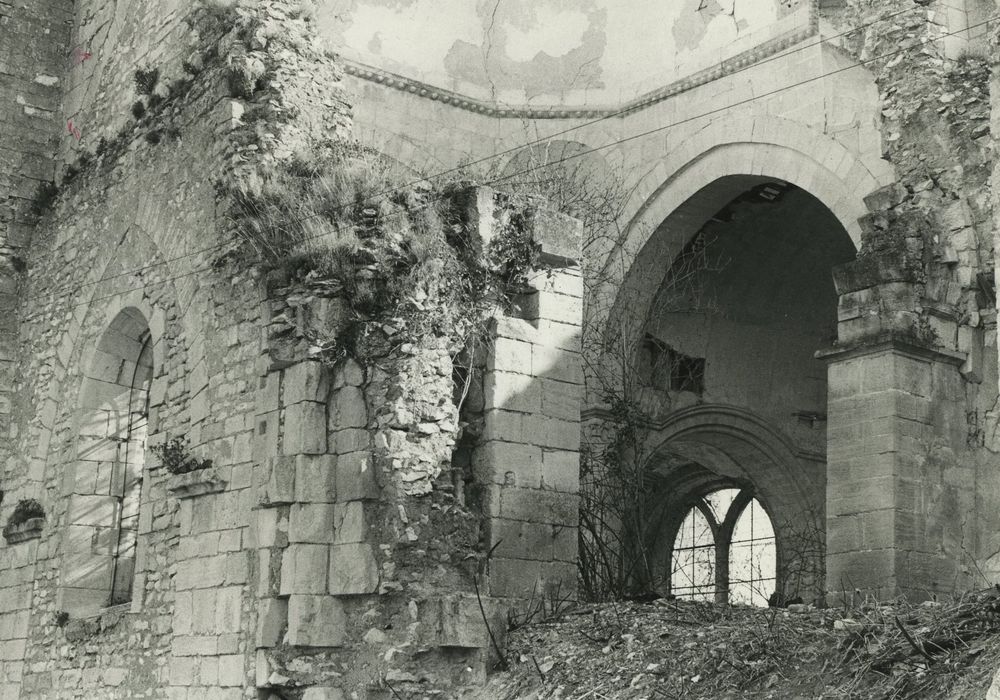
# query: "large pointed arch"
[689,185]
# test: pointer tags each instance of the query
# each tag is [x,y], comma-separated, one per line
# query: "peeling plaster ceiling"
[572,52]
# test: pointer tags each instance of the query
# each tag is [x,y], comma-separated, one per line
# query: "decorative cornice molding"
[492,109]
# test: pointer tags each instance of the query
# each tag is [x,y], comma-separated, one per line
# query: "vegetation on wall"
[24,511]
[343,221]
[177,458]
[153,115]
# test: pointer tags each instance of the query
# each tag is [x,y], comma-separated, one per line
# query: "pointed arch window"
[725,550]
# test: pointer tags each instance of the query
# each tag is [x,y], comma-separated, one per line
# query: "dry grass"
[342,221]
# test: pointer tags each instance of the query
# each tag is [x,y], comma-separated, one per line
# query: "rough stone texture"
[134,232]
[394,541]
[337,544]
[900,150]
[906,431]
[31,82]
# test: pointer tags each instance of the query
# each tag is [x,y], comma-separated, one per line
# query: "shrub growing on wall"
[348,222]
[176,457]
[24,511]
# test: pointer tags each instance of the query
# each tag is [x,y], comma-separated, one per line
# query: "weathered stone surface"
[197,483]
[325,693]
[303,568]
[353,569]
[315,621]
[305,381]
[311,522]
[28,530]
[355,480]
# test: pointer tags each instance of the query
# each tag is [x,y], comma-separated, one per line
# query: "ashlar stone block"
[305,428]
[350,408]
[304,568]
[510,356]
[311,522]
[509,463]
[315,621]
[349,523]
[271,617]
[305,381]
[513,392]
[353,569]
[316,478]
[323,693]
[356,477]
[276,481]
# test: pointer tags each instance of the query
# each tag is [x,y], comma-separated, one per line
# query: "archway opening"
[104,482]
[742,308]
[737,315]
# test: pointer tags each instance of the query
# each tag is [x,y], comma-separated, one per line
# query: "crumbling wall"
[31,74]
[319,546]
[378,575]
[915,374]
[79,274]
[134,225]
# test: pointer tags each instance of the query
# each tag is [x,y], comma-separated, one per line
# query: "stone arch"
[756,186]
[103,483]
[96,307]
[754,149]
[702,449]
[768,146]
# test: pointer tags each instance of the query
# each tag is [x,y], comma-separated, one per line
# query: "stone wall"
[321,547]
[916,378]
[136,231]
[373,571]
[105,248]
[31,78]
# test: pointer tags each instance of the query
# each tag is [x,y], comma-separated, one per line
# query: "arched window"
[104,482]
[724,550]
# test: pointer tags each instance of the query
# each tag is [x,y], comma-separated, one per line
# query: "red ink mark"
[80,55]
[77,134]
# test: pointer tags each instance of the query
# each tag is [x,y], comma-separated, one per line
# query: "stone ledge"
[83,628]
[30,529]
[196,483]
[888,342]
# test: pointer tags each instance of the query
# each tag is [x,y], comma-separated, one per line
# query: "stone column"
[529,460]
[295,517]
[900,478]
[896,494]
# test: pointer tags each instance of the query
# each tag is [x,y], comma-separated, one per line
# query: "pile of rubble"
[683,649]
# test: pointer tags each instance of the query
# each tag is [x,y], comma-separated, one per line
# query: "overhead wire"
[570,157]
[515,149]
